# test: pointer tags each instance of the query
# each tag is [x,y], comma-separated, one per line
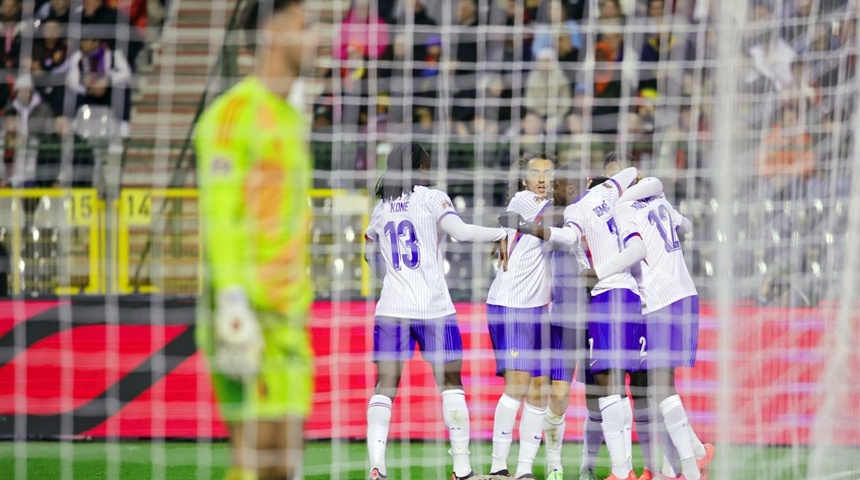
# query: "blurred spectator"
[28,122]
[57,10]
[432,51]
[135,9]
[786,159]
[531,132]
[112,26]
[426,46]
[662,53]
[415,13]
[772,61]
[466,56]
[610,11]
[95,71]
[35,117]
[50,63]
[361,28]
[796,20]
[607,88]
[492,112]
[547,91]
[549,33]
[12,26]
[517,49]
[422,118]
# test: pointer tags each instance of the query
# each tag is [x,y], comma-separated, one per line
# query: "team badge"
[515,353]
[221,166]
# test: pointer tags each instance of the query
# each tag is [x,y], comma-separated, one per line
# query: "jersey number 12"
[406,231]
[670,236]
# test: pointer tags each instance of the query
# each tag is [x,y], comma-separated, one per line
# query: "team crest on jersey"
[221,167]
[539,199]
[447,204]
[515,353]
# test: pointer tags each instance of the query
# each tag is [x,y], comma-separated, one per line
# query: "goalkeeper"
[254,173]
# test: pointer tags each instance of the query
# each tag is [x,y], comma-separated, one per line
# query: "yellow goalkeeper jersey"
[254,174]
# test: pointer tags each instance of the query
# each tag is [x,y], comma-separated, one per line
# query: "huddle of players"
[621,234]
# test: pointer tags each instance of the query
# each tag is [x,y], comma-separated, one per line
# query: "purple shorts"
[616,334]
[566,345]
[673,334]
[517,336]
[439,339]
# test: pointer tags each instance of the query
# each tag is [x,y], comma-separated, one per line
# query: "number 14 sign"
[136,206]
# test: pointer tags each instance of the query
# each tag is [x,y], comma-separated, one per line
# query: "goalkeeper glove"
[239,340]
[517,222]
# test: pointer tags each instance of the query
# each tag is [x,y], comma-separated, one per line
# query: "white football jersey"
[602,237]
[407,233]
[665,278]
[528,281]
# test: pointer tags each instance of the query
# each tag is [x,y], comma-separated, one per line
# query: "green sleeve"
[222,170]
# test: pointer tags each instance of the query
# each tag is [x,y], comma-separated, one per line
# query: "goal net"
[744,109]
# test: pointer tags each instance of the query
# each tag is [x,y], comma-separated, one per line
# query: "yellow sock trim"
[240,474]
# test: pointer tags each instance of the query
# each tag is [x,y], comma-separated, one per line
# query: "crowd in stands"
[641,70]
[64,63]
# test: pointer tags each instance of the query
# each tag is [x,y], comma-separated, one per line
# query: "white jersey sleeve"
[439,204]
[528,281]
[370,234]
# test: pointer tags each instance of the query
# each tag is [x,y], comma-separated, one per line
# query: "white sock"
[531,433]
[676,423]
[503,428]
[628,431]
[378,420]
[456,416]
[698,447]
[613,433]
[592,439]
[671,462]
[668,467]
[553,428]
[644,426]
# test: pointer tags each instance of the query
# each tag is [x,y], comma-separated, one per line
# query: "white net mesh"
[745,110]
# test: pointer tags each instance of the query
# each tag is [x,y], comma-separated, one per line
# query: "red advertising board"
[85,368]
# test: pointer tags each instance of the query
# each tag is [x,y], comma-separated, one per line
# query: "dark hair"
[256,14]
[626,160]
[517,175]
[595,181]
[400,175]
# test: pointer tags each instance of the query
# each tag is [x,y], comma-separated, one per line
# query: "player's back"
[254,171]
[409,239]
[528,280]
[602,239]
[665,277]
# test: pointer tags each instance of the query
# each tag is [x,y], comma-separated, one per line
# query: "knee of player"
[536,400]
[559,397]
[386,390]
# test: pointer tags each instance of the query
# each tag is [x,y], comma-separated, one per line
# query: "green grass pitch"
[328,460]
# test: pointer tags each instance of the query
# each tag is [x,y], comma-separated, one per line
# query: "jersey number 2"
[406,231]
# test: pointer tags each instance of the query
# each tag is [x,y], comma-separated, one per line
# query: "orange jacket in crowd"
[785,154]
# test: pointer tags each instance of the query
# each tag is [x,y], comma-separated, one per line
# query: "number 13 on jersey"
[405,232]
